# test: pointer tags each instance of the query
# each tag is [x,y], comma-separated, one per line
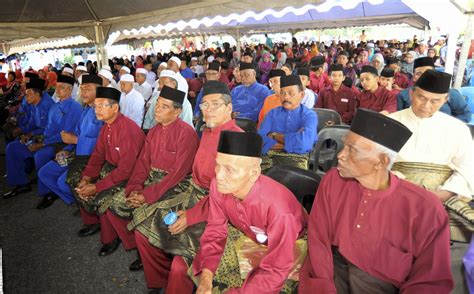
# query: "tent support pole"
[451,54]
[464,51]
[237,31]
[100,50]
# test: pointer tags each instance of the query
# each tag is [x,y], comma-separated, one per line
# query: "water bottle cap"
[170,218]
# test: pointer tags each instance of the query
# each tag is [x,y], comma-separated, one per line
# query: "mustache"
[287,101]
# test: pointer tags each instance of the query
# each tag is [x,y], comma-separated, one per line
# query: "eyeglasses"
[101,106]
[211,106]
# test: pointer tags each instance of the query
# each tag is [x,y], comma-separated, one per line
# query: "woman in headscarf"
[8,96]
[378,62]
[265,65]
[51,82]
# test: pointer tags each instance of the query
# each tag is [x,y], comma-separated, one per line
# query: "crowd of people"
[154,153]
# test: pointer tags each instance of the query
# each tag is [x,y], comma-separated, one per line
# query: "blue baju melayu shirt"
[87,132]
[197,110]
[455,106]
[299,127]
[37,115]
[249,100]
[63,116]
[187,73]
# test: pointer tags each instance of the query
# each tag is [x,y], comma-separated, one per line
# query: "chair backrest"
[329,139]
[247,125]
[469,93]
[302,183]
[325,115]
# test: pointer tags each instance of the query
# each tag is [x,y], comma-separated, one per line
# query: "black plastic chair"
[324,155]
[247,125]
[325,115]
[302,183]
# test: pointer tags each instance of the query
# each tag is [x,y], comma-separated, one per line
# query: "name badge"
[344,100]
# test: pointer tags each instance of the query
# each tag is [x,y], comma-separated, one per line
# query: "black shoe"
[156,291]
[47,201]
[109,248]
[137,265]
[89,230]
[16,191]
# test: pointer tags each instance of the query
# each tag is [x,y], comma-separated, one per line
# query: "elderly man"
[174,64]
[212,74]
[52,176]
[366,231]
[141,85]
[248,98]
[272,101]
[455,105]
[195,67]
[262,210]
[108,169]
[107,79]
[309,99]
[374,97]
[289,131]
[318,77]
[62,116]
[150,75]
[337,96]
[132,104]
[177,243]
[68,71]
[165,160]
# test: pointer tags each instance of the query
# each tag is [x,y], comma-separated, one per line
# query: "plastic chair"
[247,125]
[325,115]
[468,92]
[302,183]
[324,155]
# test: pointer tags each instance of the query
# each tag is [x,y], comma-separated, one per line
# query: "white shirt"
[440,139]
[150,79]
[309,98]
[144,89]
[132,106]
[197,69]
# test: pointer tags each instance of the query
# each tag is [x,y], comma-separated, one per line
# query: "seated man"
[455,105]
[309,99]
[212,74]
[62,116]
[52,176]
[141,85]
[439,154]
[272,101]
[110,166]
[165,160]
[289,131]
[175,246]
[132,104]
[263,211]
[337,96]
[366,231]
[248,98]
[374,97]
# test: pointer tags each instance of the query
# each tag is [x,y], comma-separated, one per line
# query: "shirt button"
[365,201]
[358,226]
[362,214]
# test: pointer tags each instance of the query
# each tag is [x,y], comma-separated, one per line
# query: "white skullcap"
[68,70]
[168,74]
[194,58]
[127,78]
[163,64]
[177,60]
[106,74]
[81,67]
[210,59]
[141,71]
[106,67]
[126,69]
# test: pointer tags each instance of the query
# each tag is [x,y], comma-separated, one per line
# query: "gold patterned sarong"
[74,173]
[430,177]
[275,157]
[148,220]
[241,255]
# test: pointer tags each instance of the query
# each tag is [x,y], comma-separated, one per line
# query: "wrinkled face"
[104,109]
[248,77]
[424,104]
[291,97]
[342,59]
[336,77]
[212,75]
[275,84]
[88,93]
[384,82]
[140,78]
[63,90]
[165,113]
[173,66]
[165,81]
[304,81]
[214,110]
[32,97]
[235,173]
[358,157]
[369,81]
[126,87]
[417,72]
